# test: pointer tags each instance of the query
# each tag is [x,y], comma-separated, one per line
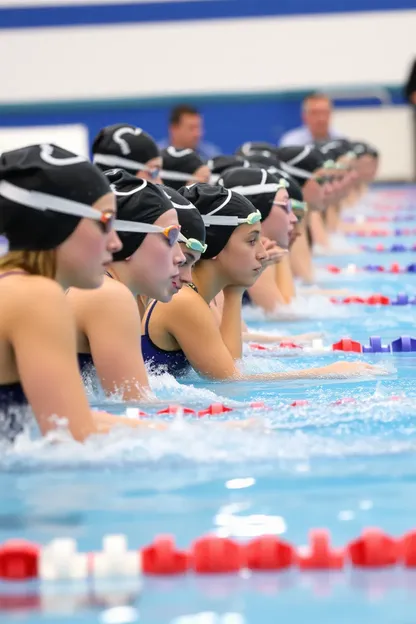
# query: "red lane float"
[60,560]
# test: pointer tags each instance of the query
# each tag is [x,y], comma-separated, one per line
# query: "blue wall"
[228,122]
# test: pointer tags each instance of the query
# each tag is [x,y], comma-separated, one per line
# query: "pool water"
[340,465]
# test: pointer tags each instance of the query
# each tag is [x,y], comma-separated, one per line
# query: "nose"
[293,219]
[185,273]
[178,257]
[261,253]
[114,244]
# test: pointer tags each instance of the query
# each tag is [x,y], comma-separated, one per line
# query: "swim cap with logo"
[250,148]
[139,201]
[179,166]
[216,201]
[259,186]
[124,146]
[300,162]
[45,191]
[189,217]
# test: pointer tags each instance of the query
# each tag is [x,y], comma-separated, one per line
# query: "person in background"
[130,148]
[186,130]
[316,116]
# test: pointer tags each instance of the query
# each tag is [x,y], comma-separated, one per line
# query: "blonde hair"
[33,262]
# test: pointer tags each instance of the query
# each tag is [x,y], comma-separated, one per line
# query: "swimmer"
[270,196]
[193,229]
[231,263]
[57,213]
[182,167]
[107,319]
[129,148]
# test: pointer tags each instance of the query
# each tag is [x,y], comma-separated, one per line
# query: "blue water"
[344,467]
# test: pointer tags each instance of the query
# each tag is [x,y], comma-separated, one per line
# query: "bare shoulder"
[185,307]
[109,295]
[34,291]
[34,301]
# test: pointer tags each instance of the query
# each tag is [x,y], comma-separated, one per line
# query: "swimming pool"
[339,465]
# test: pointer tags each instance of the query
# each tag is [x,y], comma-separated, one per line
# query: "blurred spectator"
[186,132]
[410,87]
[316,116]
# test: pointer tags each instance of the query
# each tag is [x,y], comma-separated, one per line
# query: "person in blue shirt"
[316,116]
[186,131]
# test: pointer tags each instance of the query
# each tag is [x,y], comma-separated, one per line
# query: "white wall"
[74,137]
[190,57]
[390,129]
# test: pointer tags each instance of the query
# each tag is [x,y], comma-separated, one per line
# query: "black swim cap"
[179,166]
[270,163]
[43,188]
[251,148]
[189,217]
[219,164]
[259,186]
[364,149]
[300,162]
[294,189]
[334,149]
[138,201]
[217,201]
[125,146]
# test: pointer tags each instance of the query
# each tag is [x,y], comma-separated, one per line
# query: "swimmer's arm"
[193,326]
[284,279]
[230,327]
[249,336]
[109,318]
[195,329]
[301,258]
[42,333]
[265,292]
[317,228]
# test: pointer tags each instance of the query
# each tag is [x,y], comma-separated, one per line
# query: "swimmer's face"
[85,255]
[241,259]
[313,194]
[155,165]
[279,224]
[202,174]
[367,168]
[154,267]
[297,231]
[185,270]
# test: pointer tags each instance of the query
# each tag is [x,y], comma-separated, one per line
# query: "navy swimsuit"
[173,362]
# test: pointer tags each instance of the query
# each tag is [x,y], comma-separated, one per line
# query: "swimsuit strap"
[13,272]
[192,285]
[146,325]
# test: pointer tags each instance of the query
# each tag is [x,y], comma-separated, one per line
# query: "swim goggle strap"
[44,201]
[215,219]
[125,163]
[252,218]
[172,233]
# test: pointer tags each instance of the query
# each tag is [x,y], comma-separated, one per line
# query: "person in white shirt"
[316,116]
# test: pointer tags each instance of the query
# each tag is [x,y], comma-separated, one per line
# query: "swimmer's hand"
[104,422]
[274,253]
[351,369]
